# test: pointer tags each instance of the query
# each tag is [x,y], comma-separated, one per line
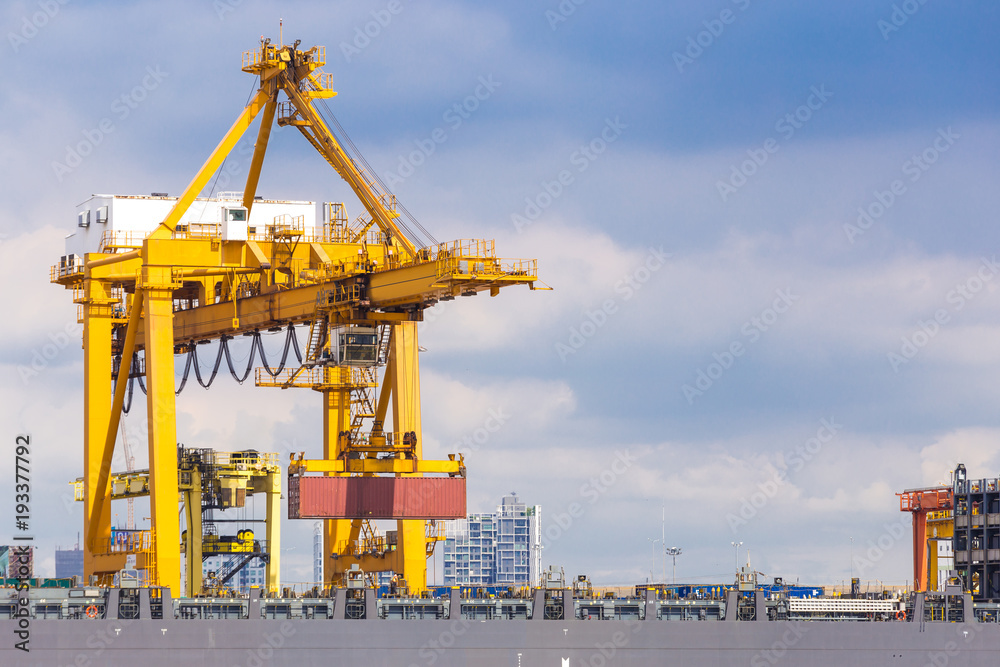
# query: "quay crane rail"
[183,284]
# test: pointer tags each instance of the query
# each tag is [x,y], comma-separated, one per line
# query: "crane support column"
[919,502]
[193,543]
[272,581]
[336,420]
[920,551]
[162,424]
[405,380]
[97,321]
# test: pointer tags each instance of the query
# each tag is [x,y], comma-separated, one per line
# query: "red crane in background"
[919,502]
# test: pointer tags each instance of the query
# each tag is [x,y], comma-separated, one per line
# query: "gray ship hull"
[499,643]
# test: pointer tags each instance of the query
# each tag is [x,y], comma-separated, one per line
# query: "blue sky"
[746,161]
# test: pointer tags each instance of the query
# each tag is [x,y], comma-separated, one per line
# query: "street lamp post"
[736,546]
[852,559]
[674,552]
[652,569]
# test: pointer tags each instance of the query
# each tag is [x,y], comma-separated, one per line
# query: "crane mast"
[362,289]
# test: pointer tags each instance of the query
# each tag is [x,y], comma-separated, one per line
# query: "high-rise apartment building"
[496,549]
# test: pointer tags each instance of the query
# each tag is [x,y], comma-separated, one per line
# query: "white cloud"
[975,447]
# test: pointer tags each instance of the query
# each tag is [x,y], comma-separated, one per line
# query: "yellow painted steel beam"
[97,323]
[369,563]
[412,552]
[378,466]
[272,576]
[345,166]
[384,397]
[97,260]
[114,420]
[405,380]
[212,164]
[193,544]
[106,565]
[336,420]
[162,425]
[263,134]
[405,287]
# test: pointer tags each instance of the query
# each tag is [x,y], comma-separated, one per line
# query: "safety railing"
[477,248]
[384,442]
[322,80]
[310,377]
[114,241]
[198,230]
[286,225]
[255,59]
[519,267]
[261,461]
[374,546]
[69,265]
[126,542]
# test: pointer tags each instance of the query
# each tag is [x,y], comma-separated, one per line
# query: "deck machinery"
[362,288]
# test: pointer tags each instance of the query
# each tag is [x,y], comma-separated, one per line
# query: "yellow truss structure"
[232,476]
[186,283]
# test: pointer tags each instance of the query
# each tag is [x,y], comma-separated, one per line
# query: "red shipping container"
[315,497]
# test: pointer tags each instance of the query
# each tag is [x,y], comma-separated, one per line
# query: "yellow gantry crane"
[207,479]
[362,287]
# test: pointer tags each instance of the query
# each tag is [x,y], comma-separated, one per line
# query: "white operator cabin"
[115,220]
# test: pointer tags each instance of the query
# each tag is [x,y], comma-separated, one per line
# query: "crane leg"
[405,379]
[272,576]
[193,545]
[97,408]
[162,427]
[336,419]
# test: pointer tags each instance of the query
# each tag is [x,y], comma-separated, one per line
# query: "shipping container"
[376,497]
